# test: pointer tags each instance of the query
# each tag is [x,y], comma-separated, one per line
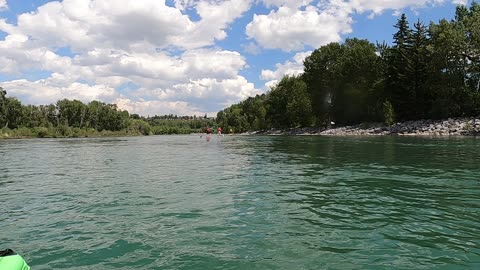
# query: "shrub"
[388,113]
[41,132]
[64,131]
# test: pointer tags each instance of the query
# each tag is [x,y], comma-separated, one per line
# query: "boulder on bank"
[448,127]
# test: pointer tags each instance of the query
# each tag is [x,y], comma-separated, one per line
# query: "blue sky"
[179,56]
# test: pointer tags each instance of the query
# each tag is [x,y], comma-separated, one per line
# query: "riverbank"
[69,132]
[41,132]
[447,127]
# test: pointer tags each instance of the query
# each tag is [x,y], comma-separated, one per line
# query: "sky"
[184,57]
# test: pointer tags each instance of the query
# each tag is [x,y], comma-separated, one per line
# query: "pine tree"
[398,79]
[417,71]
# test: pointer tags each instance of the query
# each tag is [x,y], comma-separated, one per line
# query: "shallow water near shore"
[242,202]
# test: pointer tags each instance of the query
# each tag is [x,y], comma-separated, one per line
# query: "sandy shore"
[448,127]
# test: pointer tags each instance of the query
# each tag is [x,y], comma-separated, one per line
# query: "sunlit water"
[242,202]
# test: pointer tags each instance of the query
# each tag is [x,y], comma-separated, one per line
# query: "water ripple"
[180,202]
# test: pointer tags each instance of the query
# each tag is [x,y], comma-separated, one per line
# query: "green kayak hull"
[13,262]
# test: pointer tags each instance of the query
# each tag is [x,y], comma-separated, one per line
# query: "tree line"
[73,118]
[429,72]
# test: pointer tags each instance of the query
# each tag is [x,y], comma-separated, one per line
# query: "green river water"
[242,202]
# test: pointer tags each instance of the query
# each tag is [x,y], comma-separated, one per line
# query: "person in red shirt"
[219,131]
[209,130]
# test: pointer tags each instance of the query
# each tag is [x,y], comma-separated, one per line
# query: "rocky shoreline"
[448,127]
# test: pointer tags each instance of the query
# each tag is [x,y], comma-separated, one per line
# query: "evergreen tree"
[417,70]
[3,103]
[398,79]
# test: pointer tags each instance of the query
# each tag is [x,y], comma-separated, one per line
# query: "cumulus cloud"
[228,90]
[289,3]
[210,90]
[184,4]
[291,68]
[184,98]
[92,49]
[48,91]
[198,76]
[18,54]
[3,5]
[295,25]
[120,24]
[377,6]
[293,29]
[127,24]
[221,64]
[215,17]
[116,42]
[158,107]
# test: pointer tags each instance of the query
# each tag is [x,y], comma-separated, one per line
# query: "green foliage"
[400,71]
[320,74]
[299,105]
[63,131]
[287,104]
[139,126]
[358,73]
[290,103]
[388,113]
[11,111]
[173,124]
[41,132]
[428,72]
[3,114]
[72,118]
[250,114]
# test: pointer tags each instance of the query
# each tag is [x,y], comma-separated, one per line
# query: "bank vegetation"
[430,72]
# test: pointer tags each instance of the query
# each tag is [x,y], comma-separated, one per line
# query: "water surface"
[242,202]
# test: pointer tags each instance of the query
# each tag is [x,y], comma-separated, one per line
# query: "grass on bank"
[61,132]
[71,132]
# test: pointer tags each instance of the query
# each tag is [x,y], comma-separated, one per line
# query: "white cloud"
[210,90]
[292,29]
[158,107]
[197,76]
[184,4]
[3,4]
[160,70]
[48,91]
[17,54]
[216,16]
[293,25]
[289,3]
[228,90]
[378,6]
[100,23]
[182,99]
[219,64]
[127,24]
[146,43]
[169,55]
[291,68]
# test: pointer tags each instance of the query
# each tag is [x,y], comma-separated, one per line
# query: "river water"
[242,202]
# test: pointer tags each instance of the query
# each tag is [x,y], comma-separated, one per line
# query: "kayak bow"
[9,260]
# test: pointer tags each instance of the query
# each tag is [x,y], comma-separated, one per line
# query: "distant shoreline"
[469,126]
